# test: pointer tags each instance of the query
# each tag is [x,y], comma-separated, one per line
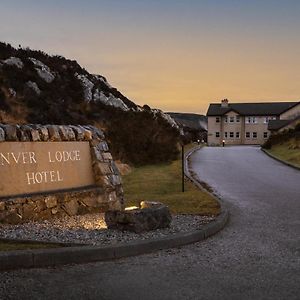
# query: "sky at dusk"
[173,55]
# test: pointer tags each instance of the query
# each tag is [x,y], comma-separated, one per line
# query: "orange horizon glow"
[171,55]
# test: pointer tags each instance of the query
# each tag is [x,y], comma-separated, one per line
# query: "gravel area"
[91,229]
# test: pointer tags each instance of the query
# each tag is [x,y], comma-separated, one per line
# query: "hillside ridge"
[38,88]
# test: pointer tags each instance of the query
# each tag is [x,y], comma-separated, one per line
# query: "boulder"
[139,220]
[150,204]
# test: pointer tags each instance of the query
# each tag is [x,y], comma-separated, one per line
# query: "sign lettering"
[30,167]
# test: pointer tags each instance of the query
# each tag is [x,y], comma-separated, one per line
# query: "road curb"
[280,160]
[86,254]
[224,210]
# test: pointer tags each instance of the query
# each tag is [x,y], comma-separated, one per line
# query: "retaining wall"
[105,194]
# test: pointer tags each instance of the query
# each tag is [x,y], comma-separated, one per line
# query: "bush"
[282,137]
[3,103]
[140,139]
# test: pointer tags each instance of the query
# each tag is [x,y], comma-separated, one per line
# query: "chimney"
[224,103]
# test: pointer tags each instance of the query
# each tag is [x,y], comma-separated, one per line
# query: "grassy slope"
[10,246]
[288,151]
[163,183]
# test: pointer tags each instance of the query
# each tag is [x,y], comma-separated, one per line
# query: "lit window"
[237,135]
[254,135]
[247,135]
[265,135]
[231,119]
[225,134]
[217,134]
[237,119]
[217,119]
[231,134]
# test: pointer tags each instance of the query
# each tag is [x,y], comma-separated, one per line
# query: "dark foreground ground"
[255,257]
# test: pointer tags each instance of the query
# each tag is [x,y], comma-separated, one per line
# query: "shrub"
[3,103]
[282,137]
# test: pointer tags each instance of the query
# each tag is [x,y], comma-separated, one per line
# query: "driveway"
[255,257]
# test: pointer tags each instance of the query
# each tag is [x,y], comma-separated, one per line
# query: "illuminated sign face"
[37,167]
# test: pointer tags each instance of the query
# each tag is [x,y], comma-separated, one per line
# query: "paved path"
[255,257]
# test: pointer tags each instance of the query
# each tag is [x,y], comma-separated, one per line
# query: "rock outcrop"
[151,216]
[43,89]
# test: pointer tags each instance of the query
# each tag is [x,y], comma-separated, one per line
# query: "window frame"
[251,120]
[267,119]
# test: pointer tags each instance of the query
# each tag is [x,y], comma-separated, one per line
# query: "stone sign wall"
[55,170]
[44,167]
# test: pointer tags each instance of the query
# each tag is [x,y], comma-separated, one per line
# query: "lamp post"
[182,167]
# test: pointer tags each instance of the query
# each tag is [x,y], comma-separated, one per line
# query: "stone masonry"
[107,194]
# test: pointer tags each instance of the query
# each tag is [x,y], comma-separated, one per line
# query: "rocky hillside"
[194,126]
[39,88]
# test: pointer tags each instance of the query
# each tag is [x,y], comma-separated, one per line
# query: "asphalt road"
[255,257]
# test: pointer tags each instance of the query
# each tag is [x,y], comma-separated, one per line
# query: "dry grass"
[288,151]
[11,246]
[163,183]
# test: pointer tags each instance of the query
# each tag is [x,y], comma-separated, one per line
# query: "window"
[254,135]
[217,119]
[247,135]
[231,119]
[225,119]
[231,134]
[226,134]
[267,119]
[217,134]
[237,135]
[265,135]
[237,119]
[251,120]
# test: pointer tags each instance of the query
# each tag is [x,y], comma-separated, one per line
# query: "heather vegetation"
[282,137]
[285,145]
[38,88]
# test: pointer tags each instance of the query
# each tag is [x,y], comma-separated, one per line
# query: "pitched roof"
[251,109]
[278,124]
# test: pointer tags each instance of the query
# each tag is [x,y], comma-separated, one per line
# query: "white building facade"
[246,123]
